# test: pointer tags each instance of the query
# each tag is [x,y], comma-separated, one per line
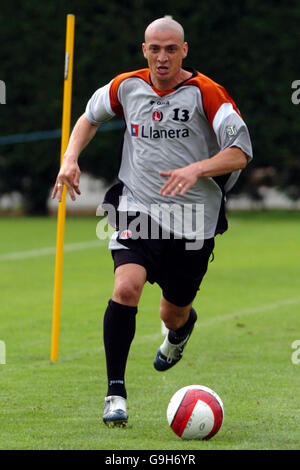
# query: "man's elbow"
[242,159]
[87,122]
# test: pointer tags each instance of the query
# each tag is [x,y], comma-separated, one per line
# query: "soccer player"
[185,145]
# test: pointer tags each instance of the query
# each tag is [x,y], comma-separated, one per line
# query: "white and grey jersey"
[172,129]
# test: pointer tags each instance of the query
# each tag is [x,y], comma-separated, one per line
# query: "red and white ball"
[195,412]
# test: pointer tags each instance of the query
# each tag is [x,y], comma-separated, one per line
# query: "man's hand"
[69,174]
[182,179]
[179,180]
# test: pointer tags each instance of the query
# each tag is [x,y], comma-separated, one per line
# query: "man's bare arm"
[69,173]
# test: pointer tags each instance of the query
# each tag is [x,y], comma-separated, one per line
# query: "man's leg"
[174,316]
[180,323]
[186,270]
[118,333]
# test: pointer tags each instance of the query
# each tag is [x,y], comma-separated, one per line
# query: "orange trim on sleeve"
[113,91]
[213,95]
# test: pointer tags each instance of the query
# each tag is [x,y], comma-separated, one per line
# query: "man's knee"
[129,283]
[127,292]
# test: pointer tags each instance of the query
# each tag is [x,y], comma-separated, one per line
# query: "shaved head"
[165,24]
[165,48]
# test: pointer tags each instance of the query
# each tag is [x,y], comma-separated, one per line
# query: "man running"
[185,144]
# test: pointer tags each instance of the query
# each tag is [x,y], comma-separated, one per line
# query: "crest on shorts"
[231,131]
[125,235]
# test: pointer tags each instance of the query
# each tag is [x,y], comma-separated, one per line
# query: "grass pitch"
[248,317]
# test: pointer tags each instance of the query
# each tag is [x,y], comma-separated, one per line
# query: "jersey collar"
[193,72]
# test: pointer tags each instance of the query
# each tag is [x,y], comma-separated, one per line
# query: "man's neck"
[162,85]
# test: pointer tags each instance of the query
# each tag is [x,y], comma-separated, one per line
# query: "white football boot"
[169,354]
[115,411]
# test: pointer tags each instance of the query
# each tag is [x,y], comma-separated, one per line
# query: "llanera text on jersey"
[150,133]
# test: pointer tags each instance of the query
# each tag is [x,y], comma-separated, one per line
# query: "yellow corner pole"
[61,215]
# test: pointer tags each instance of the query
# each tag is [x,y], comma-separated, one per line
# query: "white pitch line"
[51,250]
[248,311]
[205,324]
[157,336]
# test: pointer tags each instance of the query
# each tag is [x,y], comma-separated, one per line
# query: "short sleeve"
[98,108]
[231,130]
[225,118]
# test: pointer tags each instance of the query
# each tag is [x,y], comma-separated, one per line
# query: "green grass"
[249,306]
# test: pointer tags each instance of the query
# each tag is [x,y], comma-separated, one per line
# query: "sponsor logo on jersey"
[152,133]
[157,116]
[160,102]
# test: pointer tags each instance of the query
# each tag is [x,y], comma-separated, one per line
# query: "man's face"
[164,51]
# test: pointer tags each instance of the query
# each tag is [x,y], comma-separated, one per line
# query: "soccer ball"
[195,412]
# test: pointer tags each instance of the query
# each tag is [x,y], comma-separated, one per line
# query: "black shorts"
[175,269]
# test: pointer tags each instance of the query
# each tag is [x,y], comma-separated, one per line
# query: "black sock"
[118,333]
[177,336]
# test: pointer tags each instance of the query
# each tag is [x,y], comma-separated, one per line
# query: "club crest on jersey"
[125,235]
[157,116]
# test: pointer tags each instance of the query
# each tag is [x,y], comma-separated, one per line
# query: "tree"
[249,47]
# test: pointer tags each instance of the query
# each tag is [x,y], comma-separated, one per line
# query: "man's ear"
[144,48]
[186,49]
